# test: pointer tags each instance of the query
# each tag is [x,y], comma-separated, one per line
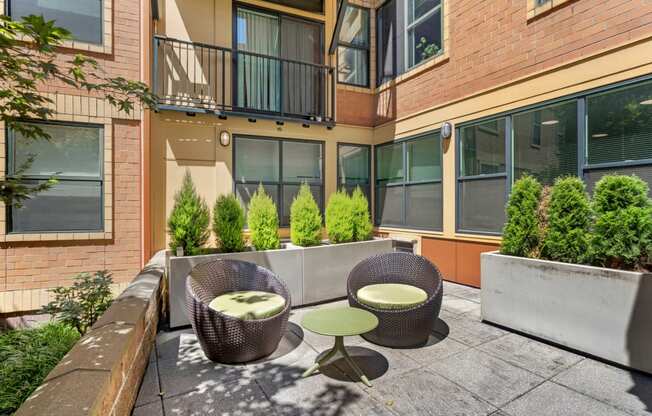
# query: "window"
[424,22]
[386,42]
[482,180]
[316,6]
[353,168]
[545,142]
[74,155]
[82,18]
[281,166]
[409,183]
[353,52]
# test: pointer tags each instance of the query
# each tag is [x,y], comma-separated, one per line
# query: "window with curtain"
[74,155]
[353,50]
[354,168]
[409,183]
[424,34]
[82,18]
[482,177]
[281,166]
[545,142]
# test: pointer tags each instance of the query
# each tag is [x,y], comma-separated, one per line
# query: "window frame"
[370,182]
[366,49]
[411,27]
[405,183]
[281,183]
[583,167]
[100,179]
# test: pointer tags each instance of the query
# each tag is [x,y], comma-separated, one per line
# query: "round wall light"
[225,138]
[446,130]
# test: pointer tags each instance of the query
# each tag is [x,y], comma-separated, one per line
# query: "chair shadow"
[290,341]
[372,363]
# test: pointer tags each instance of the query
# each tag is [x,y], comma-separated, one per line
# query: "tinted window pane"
[389,205]
[256,160]
[592,176]
[424,206]
[482,205]
[366,190]
[68,206]
[483,148]
[389,163]
[71,151]
[290,192]
[418,8]
[353,165]
[244,192]
[425,38]
[424,158]
[620,124]
[83,18]
[386,42]
[302,162]
[545,142]
[352,66]
[355,26]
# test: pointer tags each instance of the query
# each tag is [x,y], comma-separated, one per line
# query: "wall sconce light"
[446,130]
[225,138]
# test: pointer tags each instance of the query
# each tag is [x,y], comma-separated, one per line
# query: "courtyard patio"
[466,368]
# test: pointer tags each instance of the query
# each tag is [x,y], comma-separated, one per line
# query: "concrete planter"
[312,274]
[603,312]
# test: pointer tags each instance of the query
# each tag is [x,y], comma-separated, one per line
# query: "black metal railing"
[191,76]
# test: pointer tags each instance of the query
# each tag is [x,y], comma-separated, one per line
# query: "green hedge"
[26,358]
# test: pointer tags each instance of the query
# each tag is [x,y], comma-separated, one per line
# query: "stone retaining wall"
[102,373]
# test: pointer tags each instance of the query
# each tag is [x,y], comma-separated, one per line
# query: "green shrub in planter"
[521,232]
[228,222]
[305,219]
[622,233]
[339,218]
[188,222]
[362,227]
[26,358]
[569,221]
[262,220]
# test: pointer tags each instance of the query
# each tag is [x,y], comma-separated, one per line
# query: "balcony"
[197,77]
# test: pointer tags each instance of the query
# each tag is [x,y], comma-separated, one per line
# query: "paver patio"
[467,368]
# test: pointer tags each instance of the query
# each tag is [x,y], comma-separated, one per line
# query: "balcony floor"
[467,368]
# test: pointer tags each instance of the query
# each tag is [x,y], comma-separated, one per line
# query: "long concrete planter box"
[312,274]
[603,312]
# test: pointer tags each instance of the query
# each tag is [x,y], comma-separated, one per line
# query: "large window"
[82,18]
[408,32]
[354,168]
[281,166]
[409,183]
[74,155]
[353,52]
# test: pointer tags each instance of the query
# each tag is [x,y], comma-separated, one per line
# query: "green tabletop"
[339,322]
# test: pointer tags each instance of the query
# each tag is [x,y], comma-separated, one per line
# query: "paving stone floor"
[466,368]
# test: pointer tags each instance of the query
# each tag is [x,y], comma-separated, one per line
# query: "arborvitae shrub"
[228,222]
[542,218]
[188,222]
[362,227]
[569,221]
[262,220]
[305,219]
[521,231]
[622,234]
[339,218]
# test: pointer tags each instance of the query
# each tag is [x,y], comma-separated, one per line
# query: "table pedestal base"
[338,347]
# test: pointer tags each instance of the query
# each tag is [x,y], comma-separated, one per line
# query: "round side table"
[339,323]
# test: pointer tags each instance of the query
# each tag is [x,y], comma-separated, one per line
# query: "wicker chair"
[403,327]
[223,338]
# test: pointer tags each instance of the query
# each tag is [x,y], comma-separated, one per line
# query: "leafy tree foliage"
[340,224]
[228,222]
[262,219]
[569,221]
[29,60]
[362,227]
[305,219]
[188,222]
[81,304]
[521,231]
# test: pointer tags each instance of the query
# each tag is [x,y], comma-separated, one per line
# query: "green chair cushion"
[391,296]
[248,305]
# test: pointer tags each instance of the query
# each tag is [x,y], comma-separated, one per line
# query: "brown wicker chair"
[223,338]
[404,327]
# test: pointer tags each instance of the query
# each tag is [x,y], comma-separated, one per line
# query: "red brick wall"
[34,265]
[492,43]
[355,108]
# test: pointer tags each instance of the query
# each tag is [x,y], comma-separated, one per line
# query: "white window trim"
[411,26]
